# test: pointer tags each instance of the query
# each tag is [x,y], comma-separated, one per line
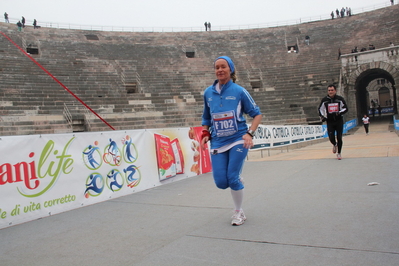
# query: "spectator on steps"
[206,26]
[19,24]
[355,51]
[209,26]
[391,45]
[23,22]
[337,11]
[35,24]
[292,50]
[307,39]
[342,12]
[332,14]
[6,17]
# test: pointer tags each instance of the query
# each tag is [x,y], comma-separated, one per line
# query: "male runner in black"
[331,109]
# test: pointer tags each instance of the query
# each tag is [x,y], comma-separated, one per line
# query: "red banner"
[201,156]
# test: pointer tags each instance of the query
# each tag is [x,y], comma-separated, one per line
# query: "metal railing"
[198,28]
[87,115]
[67,115]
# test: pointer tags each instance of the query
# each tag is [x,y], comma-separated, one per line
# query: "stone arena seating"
[138,80]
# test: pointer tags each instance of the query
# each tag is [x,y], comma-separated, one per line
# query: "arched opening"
[375,87]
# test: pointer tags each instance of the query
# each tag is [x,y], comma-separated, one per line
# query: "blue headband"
[229,62]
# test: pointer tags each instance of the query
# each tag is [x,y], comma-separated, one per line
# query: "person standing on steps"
[391,45]
[19,24]
[331,109]
[6,17]
[307,39]
[224,125]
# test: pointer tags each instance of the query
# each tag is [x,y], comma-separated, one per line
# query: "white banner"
[41,175]
[275,136]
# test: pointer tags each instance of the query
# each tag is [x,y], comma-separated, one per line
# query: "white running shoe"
[238,218]
[339,157]
[335,149]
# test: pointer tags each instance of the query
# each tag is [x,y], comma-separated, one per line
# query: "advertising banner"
[41,175]
[277,136]
[165,157]
[349,125]
[201,156]
[396,122]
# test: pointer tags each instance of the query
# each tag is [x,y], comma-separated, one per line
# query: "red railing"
[59,82]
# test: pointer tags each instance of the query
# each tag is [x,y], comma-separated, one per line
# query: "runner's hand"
[248,141]
[204,140]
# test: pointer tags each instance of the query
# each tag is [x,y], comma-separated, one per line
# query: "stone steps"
[169,85]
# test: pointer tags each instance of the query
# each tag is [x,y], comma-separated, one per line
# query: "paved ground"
[381,142]
[304,207]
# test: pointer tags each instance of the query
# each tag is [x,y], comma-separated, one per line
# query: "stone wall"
[152,80]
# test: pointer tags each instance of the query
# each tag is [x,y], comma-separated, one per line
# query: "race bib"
[224,123]
[333,107]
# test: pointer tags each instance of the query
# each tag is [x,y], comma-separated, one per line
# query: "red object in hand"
[205,133]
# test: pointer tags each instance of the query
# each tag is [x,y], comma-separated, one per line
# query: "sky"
[177,13]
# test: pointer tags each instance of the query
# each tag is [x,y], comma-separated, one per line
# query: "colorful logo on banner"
[113,154]
[38,176]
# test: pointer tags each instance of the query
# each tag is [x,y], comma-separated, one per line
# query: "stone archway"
[355,86]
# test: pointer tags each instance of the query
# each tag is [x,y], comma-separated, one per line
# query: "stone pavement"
[304,207]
